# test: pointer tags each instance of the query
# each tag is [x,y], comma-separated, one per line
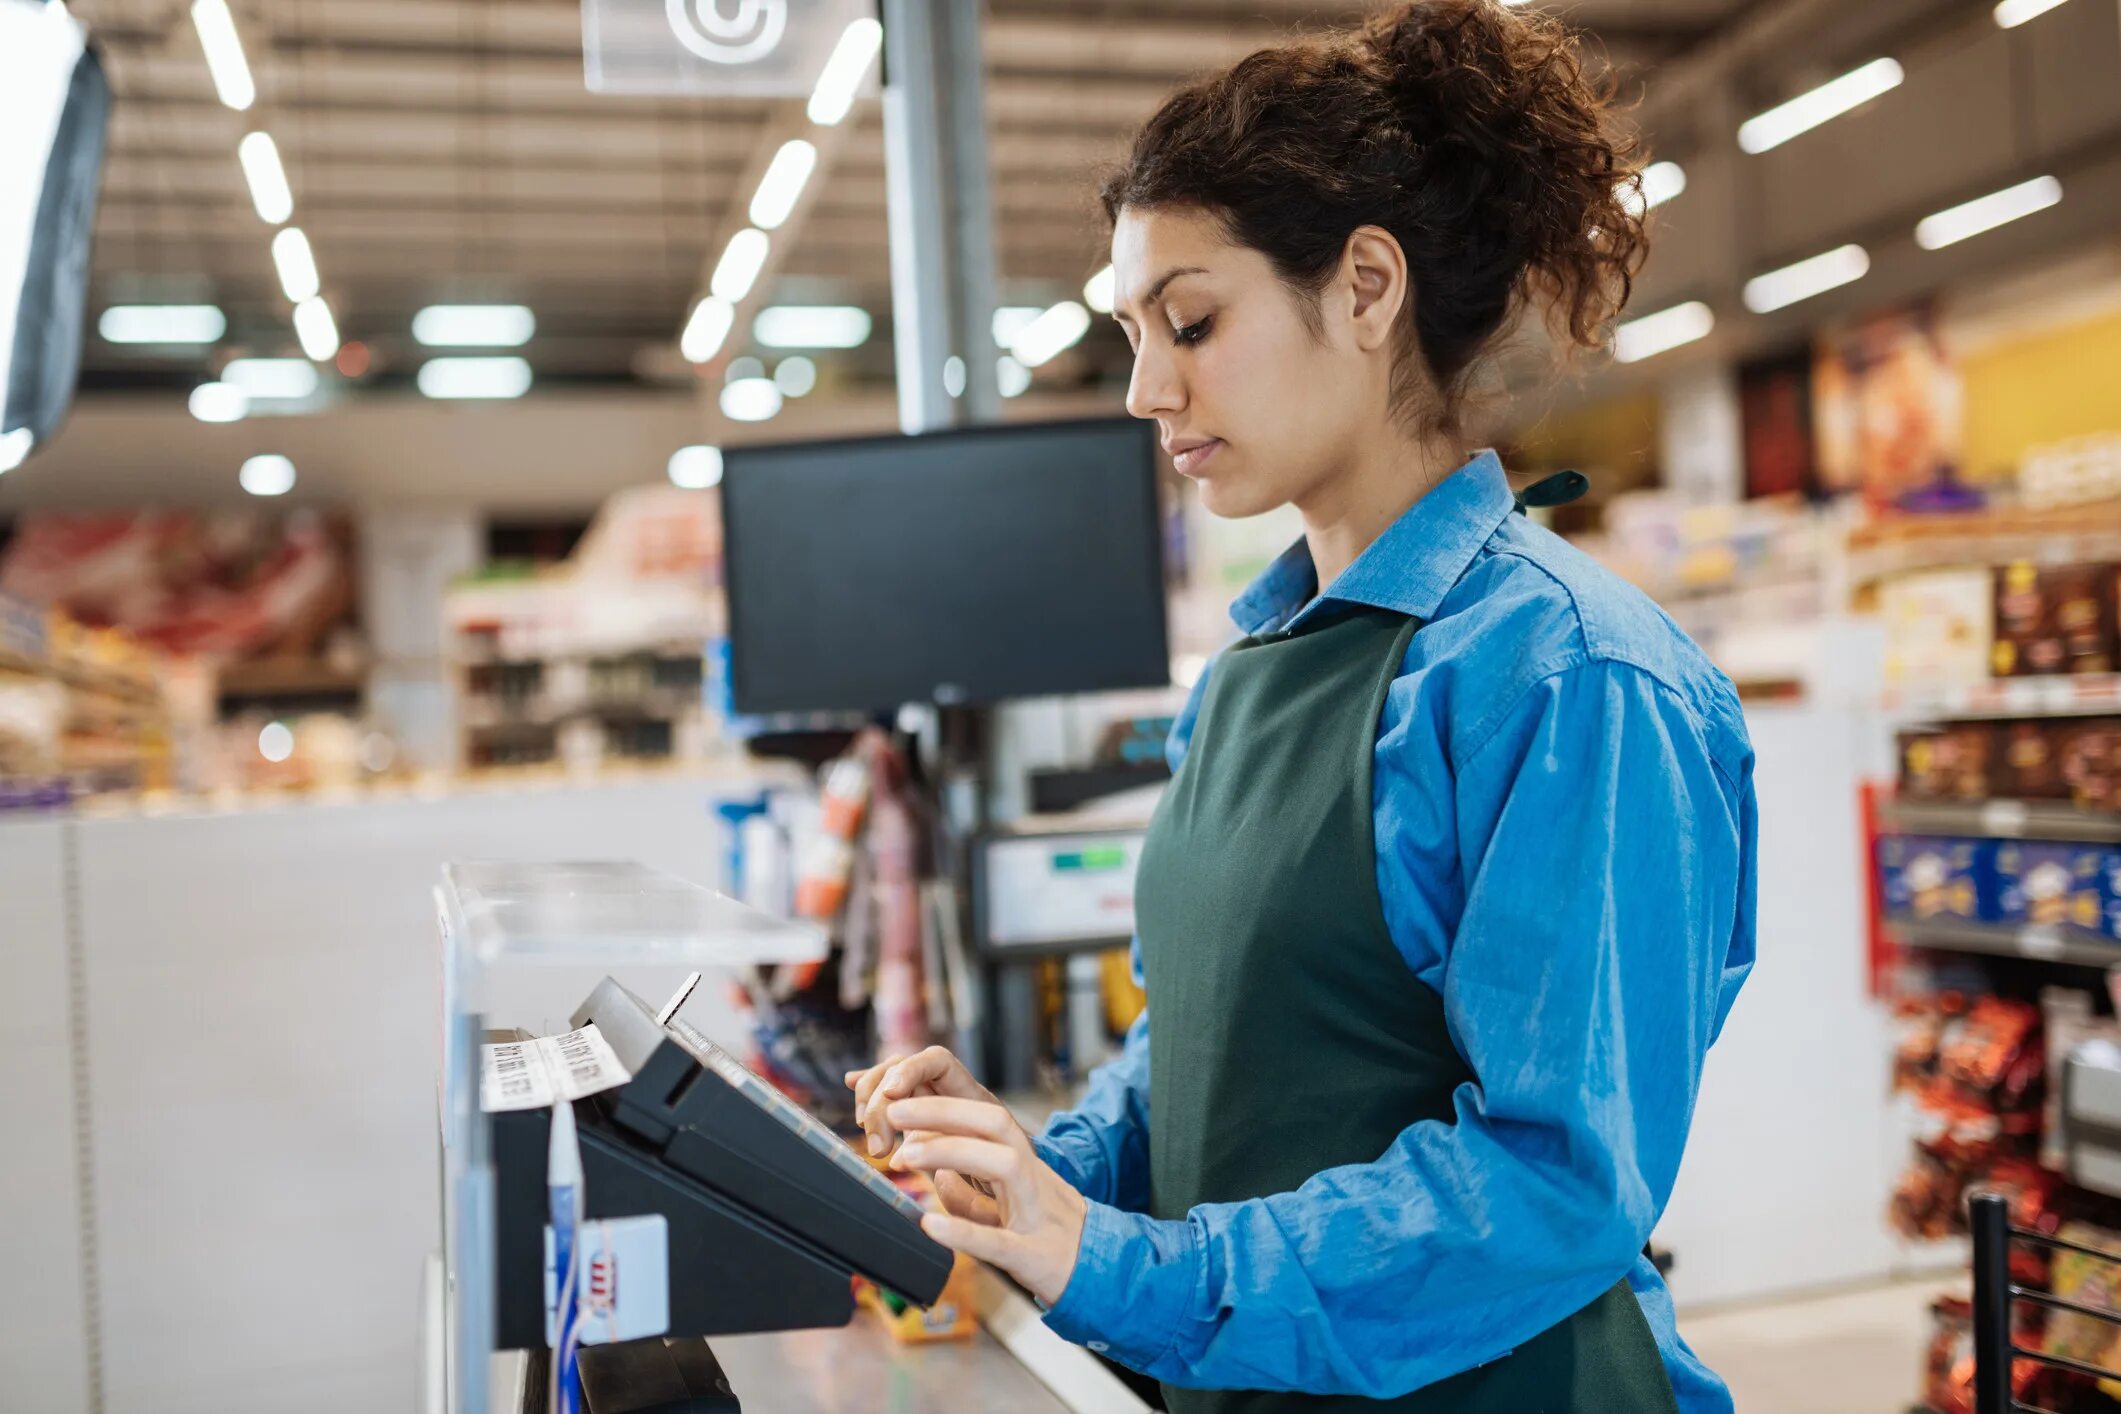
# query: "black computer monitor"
[967,566]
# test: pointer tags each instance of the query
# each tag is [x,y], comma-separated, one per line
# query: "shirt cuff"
[1132,1286]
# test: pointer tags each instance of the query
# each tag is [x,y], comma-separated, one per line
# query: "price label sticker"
[2041,942]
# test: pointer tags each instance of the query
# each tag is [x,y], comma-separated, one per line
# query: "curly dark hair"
[1471,132]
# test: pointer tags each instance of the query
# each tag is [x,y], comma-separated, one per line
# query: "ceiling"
[447,150]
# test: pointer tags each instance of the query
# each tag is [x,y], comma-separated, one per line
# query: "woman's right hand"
[931,1072]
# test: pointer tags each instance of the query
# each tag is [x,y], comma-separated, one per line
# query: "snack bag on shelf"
[2088,1282]
[1995,1065]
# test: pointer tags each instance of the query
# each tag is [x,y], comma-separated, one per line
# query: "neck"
[1346,513]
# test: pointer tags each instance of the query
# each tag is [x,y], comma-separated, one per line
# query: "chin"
[1236,500]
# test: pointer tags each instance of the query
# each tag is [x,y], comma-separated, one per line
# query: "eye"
[1191,333]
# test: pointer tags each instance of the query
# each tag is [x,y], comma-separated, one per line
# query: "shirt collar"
[1407,570]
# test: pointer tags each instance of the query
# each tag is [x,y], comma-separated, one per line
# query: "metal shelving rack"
[1995,1295]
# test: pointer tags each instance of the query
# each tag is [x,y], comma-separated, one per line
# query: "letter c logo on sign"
[749,30]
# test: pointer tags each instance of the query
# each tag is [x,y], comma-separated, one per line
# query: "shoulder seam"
[1562,666]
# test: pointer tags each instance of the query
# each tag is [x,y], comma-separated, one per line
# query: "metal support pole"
[1989,1216]
[940,212]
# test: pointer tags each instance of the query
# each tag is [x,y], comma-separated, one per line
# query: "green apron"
[1289,1035]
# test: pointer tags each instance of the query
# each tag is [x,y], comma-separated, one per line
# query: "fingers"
[961,1200]
[983,1119]
[989,1244]
[972,1158]
[923,1073]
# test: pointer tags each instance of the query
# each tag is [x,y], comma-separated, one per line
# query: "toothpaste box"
[2076,886]
[1928,877]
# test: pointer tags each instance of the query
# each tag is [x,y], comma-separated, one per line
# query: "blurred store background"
[384,529]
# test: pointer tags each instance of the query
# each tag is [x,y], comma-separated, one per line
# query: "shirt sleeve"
[1601,859]
[1101,1147]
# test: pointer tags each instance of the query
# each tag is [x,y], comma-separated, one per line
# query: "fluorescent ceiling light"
[1831,270]
[317,330]
[1823,104]
[738,269]
[742,368]
[1667,329]
[15,447]
[751,400]
[1010,376]
[795,377]
[706,329]
[696,468]
[843,72]
[783,183]
[1987,212]
[2012,13]
[224,53]
[289,379]
[506,377]
[297,264]
[1099,289]
[954,376]
[1059,328]
[219,402]
[266,178]
[811,326]
[270,475]
[474,326]
[1660,182]
[1011,320]
[162,324]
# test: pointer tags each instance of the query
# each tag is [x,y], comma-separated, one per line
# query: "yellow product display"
[1124,1001]
[952,1317]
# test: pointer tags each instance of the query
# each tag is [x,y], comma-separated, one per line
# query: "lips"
[1190,457]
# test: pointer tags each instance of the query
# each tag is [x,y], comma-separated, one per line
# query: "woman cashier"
[1453,887]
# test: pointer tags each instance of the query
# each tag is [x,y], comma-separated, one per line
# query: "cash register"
[769,1212]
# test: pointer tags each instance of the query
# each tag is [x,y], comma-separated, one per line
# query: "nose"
[1154,389]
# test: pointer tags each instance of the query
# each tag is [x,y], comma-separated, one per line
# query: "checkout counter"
[758,1216]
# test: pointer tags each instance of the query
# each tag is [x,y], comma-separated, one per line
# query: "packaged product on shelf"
[1992,1066]
[2059,885]
[2088,1281]
[1948,1364]
[1957,762]
[1938,627]
[1926,877]
[2055,619]
[1923,1026]
[2089,752]
[2077,759]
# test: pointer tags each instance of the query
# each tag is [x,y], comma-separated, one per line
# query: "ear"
[1373,275]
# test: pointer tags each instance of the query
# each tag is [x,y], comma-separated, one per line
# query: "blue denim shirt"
[1565,834]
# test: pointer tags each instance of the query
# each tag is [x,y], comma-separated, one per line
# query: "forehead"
[1147,243]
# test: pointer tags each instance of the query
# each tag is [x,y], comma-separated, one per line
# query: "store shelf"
[2002,819]
[288,677]
[2087,694]
[2037,943]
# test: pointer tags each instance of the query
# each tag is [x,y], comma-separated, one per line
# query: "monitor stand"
[658,1375]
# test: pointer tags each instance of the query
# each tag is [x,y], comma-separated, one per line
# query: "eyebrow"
[1156,290]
